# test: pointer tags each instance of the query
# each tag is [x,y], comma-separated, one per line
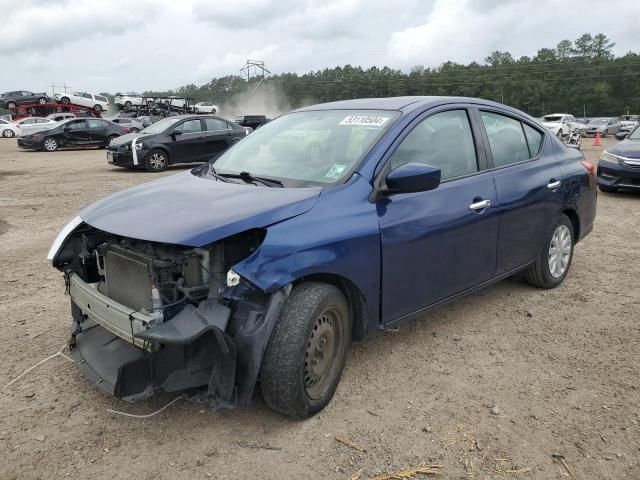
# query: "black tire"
[298,377]
[65,100]
[127,104]
[134,130]
[97,108]
[8,133]
[11,105]
[607,189]
[154,162]
[50,144]
[605,133]
[42,100]
[539,273]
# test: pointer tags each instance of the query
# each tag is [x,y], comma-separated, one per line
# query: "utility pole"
[258,68]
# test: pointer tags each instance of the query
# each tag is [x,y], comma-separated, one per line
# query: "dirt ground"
[493,386]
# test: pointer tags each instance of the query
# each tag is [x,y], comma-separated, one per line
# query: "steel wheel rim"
[559,251]
[157,161]
[50,144]
[323,354]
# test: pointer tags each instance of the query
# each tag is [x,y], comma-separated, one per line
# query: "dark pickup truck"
[251,121]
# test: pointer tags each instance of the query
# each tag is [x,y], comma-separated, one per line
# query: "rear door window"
[100,98]
[443,140]
[213,124]
[506,138]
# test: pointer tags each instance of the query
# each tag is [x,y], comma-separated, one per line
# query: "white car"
[130,99]
[173,101]
[58,117]
[7,129]
[30,125]
[205,107]
[562,124]
[83,99]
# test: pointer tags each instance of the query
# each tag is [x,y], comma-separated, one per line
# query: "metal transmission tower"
[258,68]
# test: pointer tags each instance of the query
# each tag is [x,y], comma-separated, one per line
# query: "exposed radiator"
[127,278]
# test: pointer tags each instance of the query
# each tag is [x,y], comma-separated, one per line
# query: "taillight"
[591,168]
[125,129]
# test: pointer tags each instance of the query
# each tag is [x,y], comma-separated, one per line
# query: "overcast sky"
[138,45]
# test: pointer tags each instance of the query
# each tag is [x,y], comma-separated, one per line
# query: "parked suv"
[11,100]
[98,103]
[267,264]
[131,99]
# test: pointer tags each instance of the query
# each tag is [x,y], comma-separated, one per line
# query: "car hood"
[551,124]
[128,138]
[188,210]
[626,148]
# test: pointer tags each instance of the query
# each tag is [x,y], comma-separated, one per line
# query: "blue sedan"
[327,225]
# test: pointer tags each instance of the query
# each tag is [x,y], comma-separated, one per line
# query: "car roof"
[405,104]
[558,114]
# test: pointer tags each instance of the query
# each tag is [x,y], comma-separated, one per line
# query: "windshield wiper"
[247,177]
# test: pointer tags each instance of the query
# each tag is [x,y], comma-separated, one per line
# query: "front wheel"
[65,100]
[156,161]
[307,351]
[97,108]
[8,133]
[127,104]
[50,144]
[42,100]
[11,105]
[134,130]
[554,259]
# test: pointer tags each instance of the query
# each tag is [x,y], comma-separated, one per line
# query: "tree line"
[582,77]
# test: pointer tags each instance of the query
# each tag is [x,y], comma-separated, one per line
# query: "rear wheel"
[65,100]
[134,130]
[42,100]
[11,105]
[156,161]
[127,104]
[50,144]
[7,133]
[554,259]
[607,189]
[97,108]
[307,351]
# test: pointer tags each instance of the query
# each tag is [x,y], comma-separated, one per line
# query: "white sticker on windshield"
[335,171]
[366,120]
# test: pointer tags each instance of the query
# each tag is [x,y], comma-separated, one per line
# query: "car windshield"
[552,118]
[313,147]
[635,134]
[161,126]
[599,121]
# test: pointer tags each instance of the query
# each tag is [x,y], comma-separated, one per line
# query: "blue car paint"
[626,174]
[402,252]
[187,210]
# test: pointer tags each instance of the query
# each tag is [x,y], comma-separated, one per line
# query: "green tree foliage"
[575,77]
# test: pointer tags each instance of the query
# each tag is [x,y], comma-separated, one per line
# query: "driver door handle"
[480,205]
[553,184]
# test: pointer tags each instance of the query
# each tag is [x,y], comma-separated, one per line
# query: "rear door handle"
[480,205]
[554,184]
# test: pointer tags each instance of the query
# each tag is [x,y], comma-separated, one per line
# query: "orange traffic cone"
[596,141]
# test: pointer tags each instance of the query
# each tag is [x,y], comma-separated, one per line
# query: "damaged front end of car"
[150,317]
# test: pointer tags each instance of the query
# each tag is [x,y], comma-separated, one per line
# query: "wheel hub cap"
[157,161]
[559,251]
[50,145]
[320,355]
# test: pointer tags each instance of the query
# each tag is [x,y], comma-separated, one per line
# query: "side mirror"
[176,133]
[412,177]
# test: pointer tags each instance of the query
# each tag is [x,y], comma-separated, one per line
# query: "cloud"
[42,25]
[469,30]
